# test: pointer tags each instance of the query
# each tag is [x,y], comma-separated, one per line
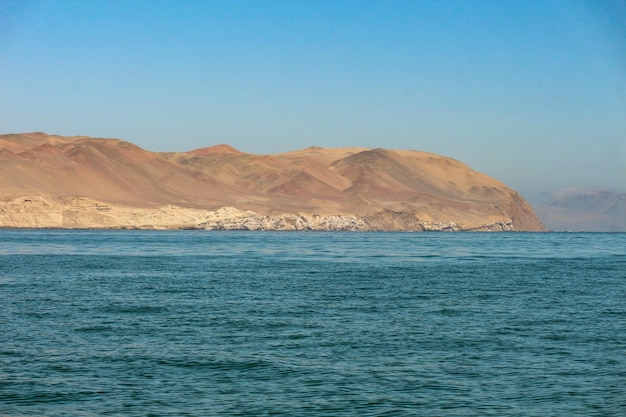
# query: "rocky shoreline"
[85,213]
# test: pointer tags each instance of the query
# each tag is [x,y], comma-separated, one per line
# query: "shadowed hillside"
[418,187]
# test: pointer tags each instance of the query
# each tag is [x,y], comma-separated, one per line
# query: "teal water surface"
[137,323]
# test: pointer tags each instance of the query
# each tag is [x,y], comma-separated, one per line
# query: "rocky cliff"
[80,182]
[84,213]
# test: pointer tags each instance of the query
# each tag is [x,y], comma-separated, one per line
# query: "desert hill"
[54,181]
[584,209]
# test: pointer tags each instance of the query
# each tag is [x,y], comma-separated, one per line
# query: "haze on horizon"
[531,93]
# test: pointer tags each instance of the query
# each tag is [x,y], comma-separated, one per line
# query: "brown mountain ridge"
[56,181]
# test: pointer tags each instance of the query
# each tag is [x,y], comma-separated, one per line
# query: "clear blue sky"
[530,92]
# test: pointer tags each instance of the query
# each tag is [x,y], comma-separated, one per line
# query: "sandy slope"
[377,184]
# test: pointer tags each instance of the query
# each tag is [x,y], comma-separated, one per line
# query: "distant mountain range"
[57,181]
[584,209]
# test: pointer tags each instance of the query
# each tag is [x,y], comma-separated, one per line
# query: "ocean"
[196,323]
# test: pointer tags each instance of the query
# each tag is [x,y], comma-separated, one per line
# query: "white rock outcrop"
[84,213]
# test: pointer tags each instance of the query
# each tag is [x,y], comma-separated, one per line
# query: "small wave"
[135,309]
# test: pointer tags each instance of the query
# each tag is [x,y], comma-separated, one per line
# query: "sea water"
[194,323]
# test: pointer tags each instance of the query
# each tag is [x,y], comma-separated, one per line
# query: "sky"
[530,92]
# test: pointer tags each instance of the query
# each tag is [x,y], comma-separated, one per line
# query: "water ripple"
[368,324]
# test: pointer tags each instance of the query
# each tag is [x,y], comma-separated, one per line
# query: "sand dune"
[312,181]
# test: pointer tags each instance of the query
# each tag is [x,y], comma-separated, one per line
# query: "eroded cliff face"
[84,213]
[80,182]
